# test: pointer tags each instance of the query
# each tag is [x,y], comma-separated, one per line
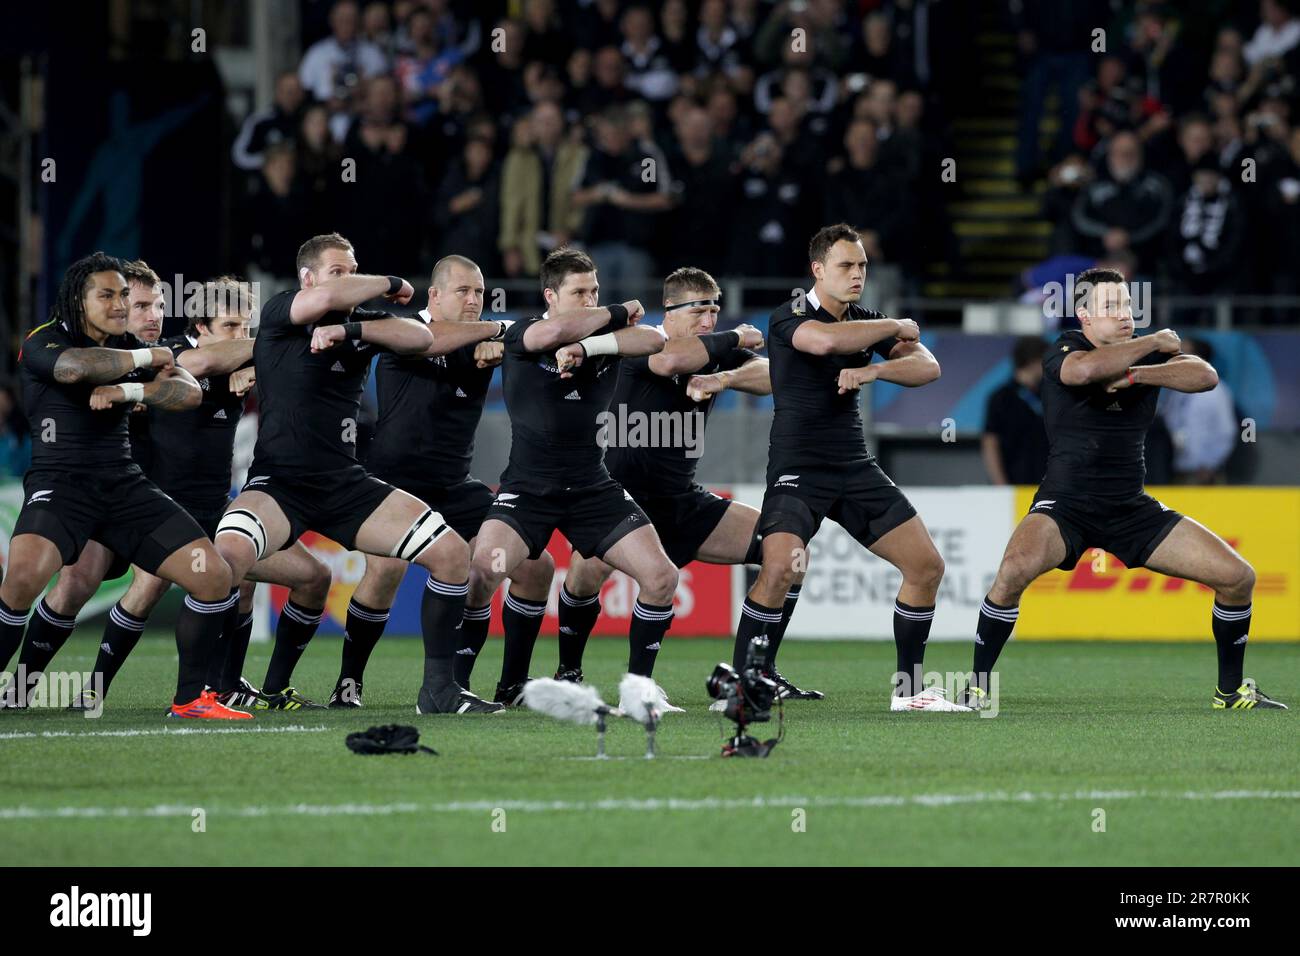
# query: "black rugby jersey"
[1095,439]
[66,434]
[553,420]
[308,404]
[813,424]
[429,409]
[194,449]
[659,460]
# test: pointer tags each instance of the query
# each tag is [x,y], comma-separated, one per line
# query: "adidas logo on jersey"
[1114,407]
[221,414]
[337,367]
[460,392]
[573,396]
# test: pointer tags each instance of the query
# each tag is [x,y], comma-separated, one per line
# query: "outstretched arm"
[94,366]
[174,390]
[450,336]
[845,338]
[752,377]
[1107,362]
[397,335]
[909,364]
[219,358]
[692,352]
[1182,373]
[345,293]
[573,325]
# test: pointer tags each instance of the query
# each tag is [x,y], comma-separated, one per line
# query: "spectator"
[817,20]
[702,188]
[1282,220]
[377,28]
[598,25]
[467,211]
[319,170]
[266,127]
[1129,208]
[537,209]
[423,68]
[623,207]
[649,69]
[678,46]
[870,199]
[334,67]
[503,69]
[275,210]
[545,40]
[1054,41]
[15,438]
[1278,34]
[767,227]
[1014,443]
[1203,426]
[1207,232]
[717,45]
[609,89]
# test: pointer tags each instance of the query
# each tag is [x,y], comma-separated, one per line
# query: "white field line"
[672,804]
[161,732]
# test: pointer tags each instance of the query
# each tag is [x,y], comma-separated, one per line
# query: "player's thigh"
[498,549]
[199,568]
[730,540]
[293,567]
[32,561]
[910,548]
[251,522]
[1194,552]
[79,581]
[1036,547]
[398,525]
[640,555]
[378,586]
[144,593]
[586,575]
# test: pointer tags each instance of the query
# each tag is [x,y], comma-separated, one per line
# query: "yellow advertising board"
[1102,599]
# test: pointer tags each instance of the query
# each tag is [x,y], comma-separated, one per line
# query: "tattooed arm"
[93,366]
[172,391]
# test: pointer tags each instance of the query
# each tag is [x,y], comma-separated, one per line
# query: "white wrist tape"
[134,391]
[143,357]
[605,344]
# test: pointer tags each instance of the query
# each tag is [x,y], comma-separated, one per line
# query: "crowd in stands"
[719,133]
[1179,148]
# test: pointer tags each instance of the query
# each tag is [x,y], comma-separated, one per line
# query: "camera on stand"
[748,697]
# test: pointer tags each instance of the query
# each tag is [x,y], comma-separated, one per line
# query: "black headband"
[693,302]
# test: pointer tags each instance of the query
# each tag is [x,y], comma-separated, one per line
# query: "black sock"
[363,629]
[198,628]
[521,620]
[1231,624]
[650,622]
[293,632]
[776,632]
[121,634]
[991,635]
[232,666]
[441,611]
[221,649]
[755,619]
[47,632]
[911,631]
[12,625]
[473,635]
[577,618]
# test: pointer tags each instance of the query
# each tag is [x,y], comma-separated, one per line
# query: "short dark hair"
[561,264]
[224,295]
[1028,350]
[688,279]
[820,246]
[1089,279]
[137,270]
[309,252]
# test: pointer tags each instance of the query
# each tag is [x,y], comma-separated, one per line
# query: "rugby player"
[677,387]
[429,409]
[56,613]
[559,373]
[1100,387]
[82,374]
[312,354]
[821,345]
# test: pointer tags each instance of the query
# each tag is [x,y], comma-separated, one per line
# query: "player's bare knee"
[447,559]
[317,587]
[214,582]
[534,576]
[1241,584]
[927,575]
[659,584]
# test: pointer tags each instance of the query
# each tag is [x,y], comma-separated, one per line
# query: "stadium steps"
[998,225]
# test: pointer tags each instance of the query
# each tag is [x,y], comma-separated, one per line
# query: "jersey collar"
[424,314]
[193,340]
[813,301]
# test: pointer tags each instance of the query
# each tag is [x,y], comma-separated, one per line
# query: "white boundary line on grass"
[161,732]
[663,803]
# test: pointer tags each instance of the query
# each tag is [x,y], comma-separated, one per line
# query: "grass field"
[1119,727]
